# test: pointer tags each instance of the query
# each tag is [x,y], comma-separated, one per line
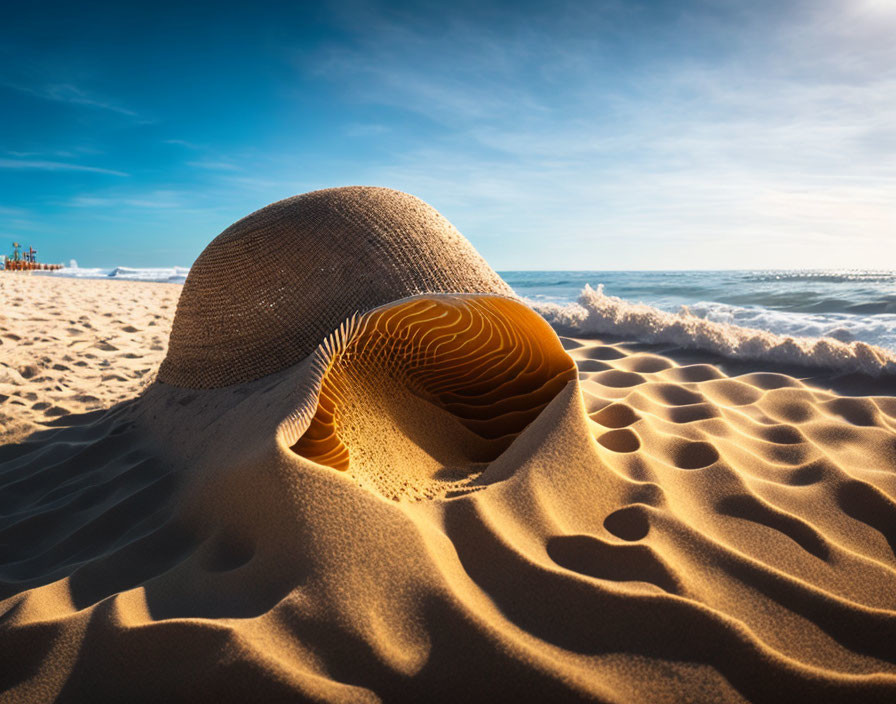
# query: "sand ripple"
[418,398]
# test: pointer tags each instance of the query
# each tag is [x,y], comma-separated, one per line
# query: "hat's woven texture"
[271,287]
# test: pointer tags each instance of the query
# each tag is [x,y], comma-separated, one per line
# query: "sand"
[70,346]
[657,530]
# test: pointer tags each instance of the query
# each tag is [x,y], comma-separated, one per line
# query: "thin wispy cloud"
[152,201]
[366,130]
[68,93]
[213,165]
[142,205]
[40,165]
[181,143]
[74,95]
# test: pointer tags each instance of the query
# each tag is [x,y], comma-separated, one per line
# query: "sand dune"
[479,369]
[656,533]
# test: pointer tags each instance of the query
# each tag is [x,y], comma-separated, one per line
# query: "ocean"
[844,305]
[774,315]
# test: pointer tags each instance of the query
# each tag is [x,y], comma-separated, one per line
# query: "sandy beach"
[69,346]
[750,521]
[443,501]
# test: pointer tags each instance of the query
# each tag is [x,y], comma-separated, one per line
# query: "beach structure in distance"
[25,260]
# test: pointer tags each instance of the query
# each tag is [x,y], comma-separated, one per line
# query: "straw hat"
[265,292]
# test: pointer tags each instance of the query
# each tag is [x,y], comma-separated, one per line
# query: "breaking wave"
[168,274]
[824,276]
[596,313]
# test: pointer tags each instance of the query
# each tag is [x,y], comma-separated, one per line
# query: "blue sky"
[580,135]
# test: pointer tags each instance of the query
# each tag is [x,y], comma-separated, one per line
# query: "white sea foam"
[874,328]
[599,314]
[170,274]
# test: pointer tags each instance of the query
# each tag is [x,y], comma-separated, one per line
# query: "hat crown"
[266,291]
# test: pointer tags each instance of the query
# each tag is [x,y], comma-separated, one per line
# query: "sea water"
[844,305]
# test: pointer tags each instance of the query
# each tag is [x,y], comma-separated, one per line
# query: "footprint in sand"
[28,371]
